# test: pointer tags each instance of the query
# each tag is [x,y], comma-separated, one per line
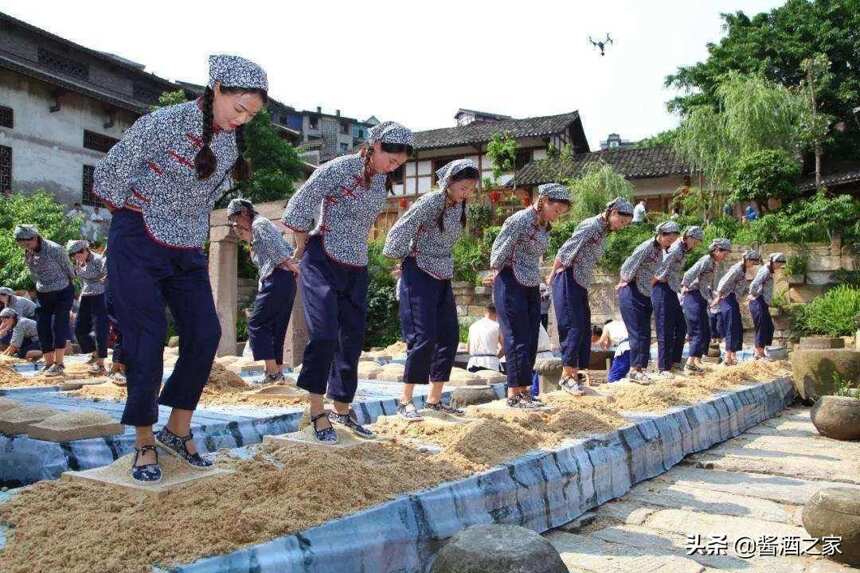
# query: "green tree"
[275,163]
[815,125]
[43,211]
[775,45]
[383,324]
[754,114]
[761,175]
[598,184]
[502,151]
[169,98]
[662,139]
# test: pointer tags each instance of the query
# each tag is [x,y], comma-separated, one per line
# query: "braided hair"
[462,175]
[367,153]
[542,199]
[205,161]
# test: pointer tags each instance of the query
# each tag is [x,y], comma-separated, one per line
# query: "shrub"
[383,324]
[846,277]
[560,233]
[241,327]
[765,174]
[468,259]
[464,324]
[42,210]
[245,267]
[479,216]
[832,314]
[796,265]
[621,244]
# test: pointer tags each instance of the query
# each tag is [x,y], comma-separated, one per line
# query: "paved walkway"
[751,486]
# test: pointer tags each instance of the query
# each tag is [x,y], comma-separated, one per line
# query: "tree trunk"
[818,153]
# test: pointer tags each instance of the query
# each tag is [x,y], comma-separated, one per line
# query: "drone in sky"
[601,44]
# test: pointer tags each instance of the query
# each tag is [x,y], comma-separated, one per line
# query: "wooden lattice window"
[64,65]
[87,195]
[7,117]
[98,141]
[5,168]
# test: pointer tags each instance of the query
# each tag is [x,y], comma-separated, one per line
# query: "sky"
[417,63]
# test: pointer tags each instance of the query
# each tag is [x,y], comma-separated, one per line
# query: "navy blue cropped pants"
[428,318]
[92,317]
[573,315]
[730,321]
[763,322]
[335,304]
[146,276]
[636,312]
[518,308]
[52,317]
[698,323]
[270,316]
[670,326]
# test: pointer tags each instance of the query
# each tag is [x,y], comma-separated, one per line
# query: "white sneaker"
[55,370]
[572,387]
[640,378]
[666,375]
[118,378]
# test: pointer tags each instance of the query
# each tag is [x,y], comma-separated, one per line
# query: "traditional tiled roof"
[632,163]
[116,95]
[483,131]
[842,176]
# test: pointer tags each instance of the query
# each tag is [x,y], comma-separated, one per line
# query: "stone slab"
[175,475]
[13,422]
[675,496]
[40,432]
[585,553]
[781,489]
[305,437]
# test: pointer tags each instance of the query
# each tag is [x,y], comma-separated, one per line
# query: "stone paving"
[751,486]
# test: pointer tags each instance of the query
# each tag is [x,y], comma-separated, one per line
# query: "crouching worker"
[24,340]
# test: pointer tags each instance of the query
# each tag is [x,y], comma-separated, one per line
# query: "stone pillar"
[223,268]
[297,331]
[297,334]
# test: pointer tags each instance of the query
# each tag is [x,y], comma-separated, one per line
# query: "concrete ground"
[751,486]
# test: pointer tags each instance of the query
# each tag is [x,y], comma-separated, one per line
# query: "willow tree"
[598,184]
[754,115]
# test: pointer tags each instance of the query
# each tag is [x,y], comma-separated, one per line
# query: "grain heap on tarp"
[224,388]
[288,488]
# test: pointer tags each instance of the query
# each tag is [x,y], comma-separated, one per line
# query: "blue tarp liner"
[24,460]
[541,491]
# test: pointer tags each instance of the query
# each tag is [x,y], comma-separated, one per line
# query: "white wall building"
[469,139]
[62,106]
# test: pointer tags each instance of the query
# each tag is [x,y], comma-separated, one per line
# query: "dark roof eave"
[509,125]
[129,105]
[107,58]
[832,180]
[632,163]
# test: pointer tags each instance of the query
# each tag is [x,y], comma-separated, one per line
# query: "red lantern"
[403,203]
[494,196]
